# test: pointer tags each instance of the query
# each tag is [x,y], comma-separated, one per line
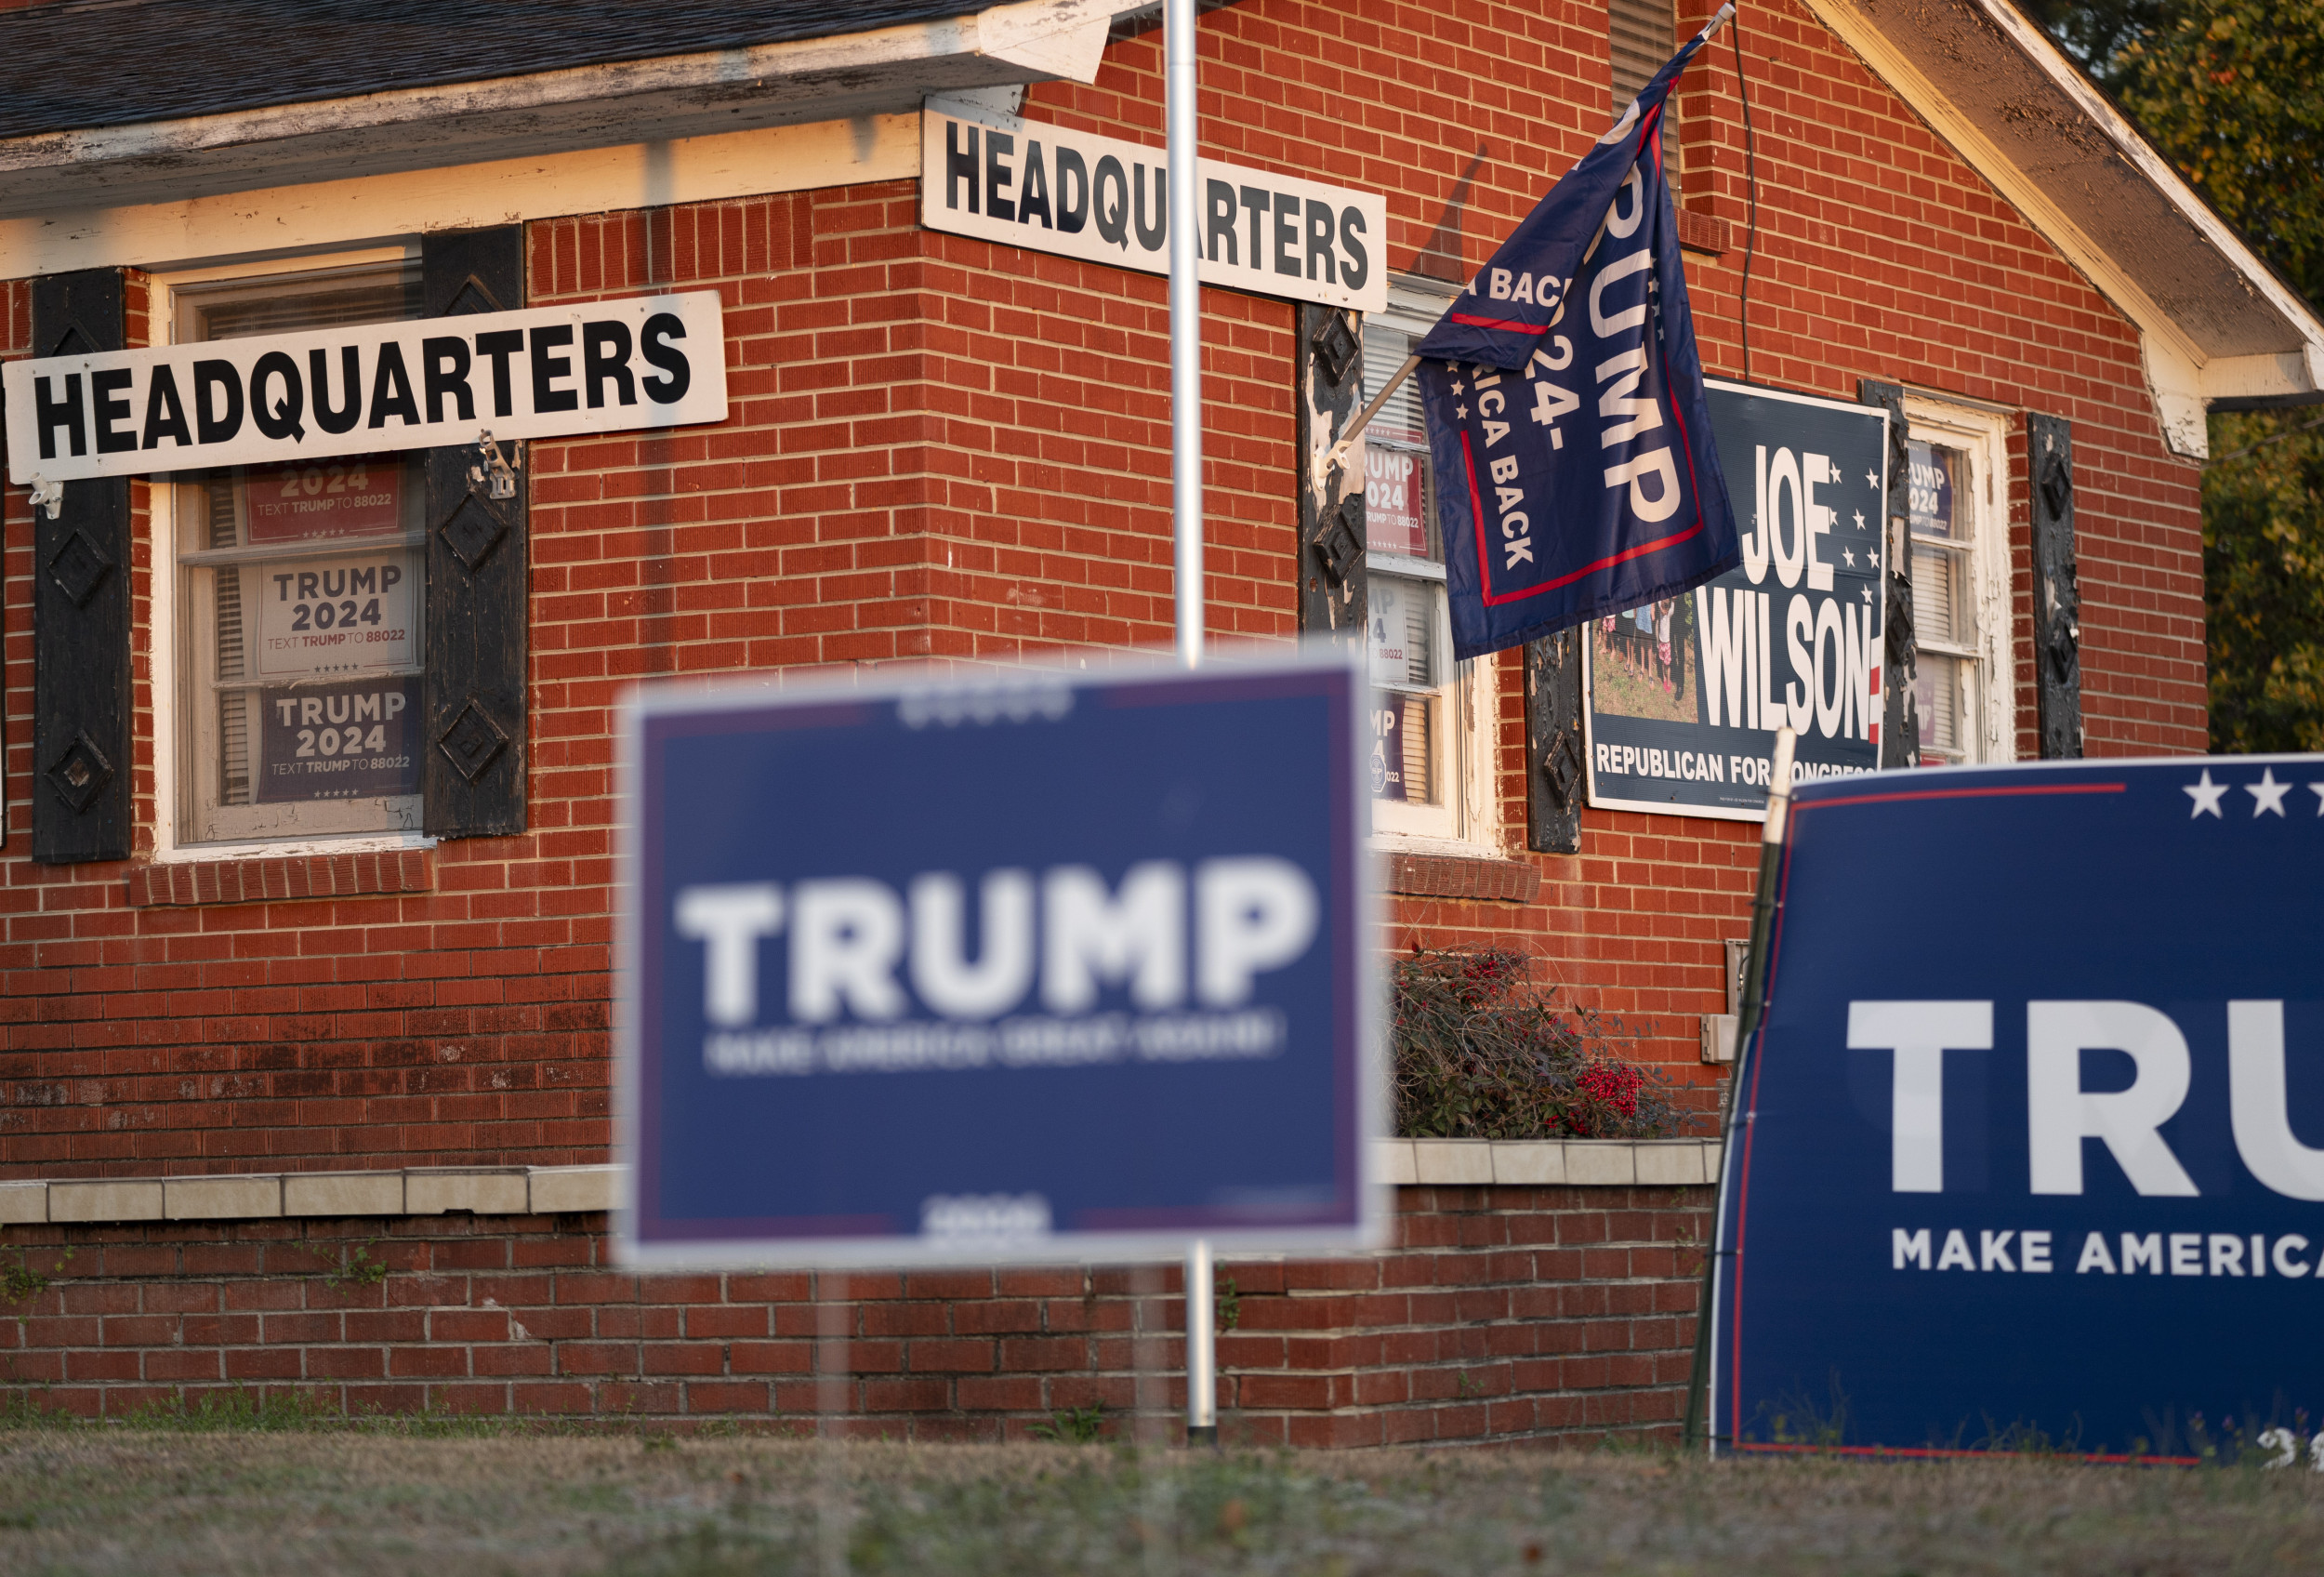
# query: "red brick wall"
[944,449]
[1499,1313]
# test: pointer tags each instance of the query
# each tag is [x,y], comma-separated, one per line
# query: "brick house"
[244,1030]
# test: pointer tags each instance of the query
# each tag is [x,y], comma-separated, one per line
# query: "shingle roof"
[116,62]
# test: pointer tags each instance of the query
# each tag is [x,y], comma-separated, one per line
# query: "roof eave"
[2215,322]
[669,96]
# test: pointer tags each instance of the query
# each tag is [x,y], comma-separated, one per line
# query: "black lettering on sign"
[391,388]
[102,387]
[676,374]
[998,145]
[498,344]
[53,413]
[548,368]
[605,359]
[443,370]
[165,413]
[216,421]
[330,417]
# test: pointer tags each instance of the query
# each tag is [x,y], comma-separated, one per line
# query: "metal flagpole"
[1364,417]
[1177,97]
[1178,93]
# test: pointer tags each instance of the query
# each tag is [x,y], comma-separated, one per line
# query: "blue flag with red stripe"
[1576,474]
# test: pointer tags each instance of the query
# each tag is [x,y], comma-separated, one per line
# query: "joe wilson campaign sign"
[543,372]
[2032,1146]
[1061,967]
[1686,692]
[1052,189]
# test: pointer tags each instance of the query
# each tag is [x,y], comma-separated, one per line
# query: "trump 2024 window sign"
[2031,1149]
[1055,967]
[1685,695]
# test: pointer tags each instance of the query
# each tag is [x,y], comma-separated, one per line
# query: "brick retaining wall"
[1499,1312]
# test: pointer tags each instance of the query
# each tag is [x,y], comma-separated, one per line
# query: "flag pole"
[1178,93]
[1412,363]
[1364,417]
[1186,520]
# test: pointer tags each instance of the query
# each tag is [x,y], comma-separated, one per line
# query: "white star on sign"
[2206,795]
[2268,793]
[1873,480]
[2318,789]
[1457,388]
[1834,473]
[1848,558]
[1868,595]
[1859,520]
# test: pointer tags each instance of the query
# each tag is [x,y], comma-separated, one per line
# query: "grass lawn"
[322,1500]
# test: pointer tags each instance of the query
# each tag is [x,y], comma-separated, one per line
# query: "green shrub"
[1480,1055]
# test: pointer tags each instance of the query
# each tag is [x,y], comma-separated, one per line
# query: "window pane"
[1401,638]
[1940,614]
[1395,453]
[1399,421]
[238,312]
[1640,35]
[1403,738]
[1935,489]
[1937,691]
[1942,510]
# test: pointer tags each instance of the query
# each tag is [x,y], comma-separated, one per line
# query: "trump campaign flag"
[1576,471]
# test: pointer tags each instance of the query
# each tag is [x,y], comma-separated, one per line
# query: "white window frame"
[1466,819]
[1983,436]
[169,737]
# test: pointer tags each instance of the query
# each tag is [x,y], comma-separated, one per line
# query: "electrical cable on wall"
[1751,170]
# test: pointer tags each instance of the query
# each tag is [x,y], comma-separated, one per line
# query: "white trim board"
[284,221]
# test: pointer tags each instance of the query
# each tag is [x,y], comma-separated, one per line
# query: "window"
[1960,584]
[1432,763]
[1641,36]
[298,598]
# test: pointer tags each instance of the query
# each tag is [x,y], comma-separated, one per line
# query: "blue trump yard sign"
[1057,966]
[2030,1151]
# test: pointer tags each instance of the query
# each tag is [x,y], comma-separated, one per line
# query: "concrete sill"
[419,1190]
[569,1191]
[1570,1163]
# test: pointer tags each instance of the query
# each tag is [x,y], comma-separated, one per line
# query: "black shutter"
[2058,614]
[1554,781]
[1900,728]
[472,699]
[81,807]
[1331,508]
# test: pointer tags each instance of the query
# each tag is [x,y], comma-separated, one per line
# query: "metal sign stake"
[1186,520]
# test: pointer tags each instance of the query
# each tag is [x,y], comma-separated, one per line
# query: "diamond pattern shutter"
[81,805]
[1900,725]
[472,698]
[1332,507]
[2057,606]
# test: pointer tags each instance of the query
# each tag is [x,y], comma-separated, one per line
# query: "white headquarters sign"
[1052,189]
[543,372]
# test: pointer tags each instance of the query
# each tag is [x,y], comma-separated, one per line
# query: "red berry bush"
[1478,1054]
